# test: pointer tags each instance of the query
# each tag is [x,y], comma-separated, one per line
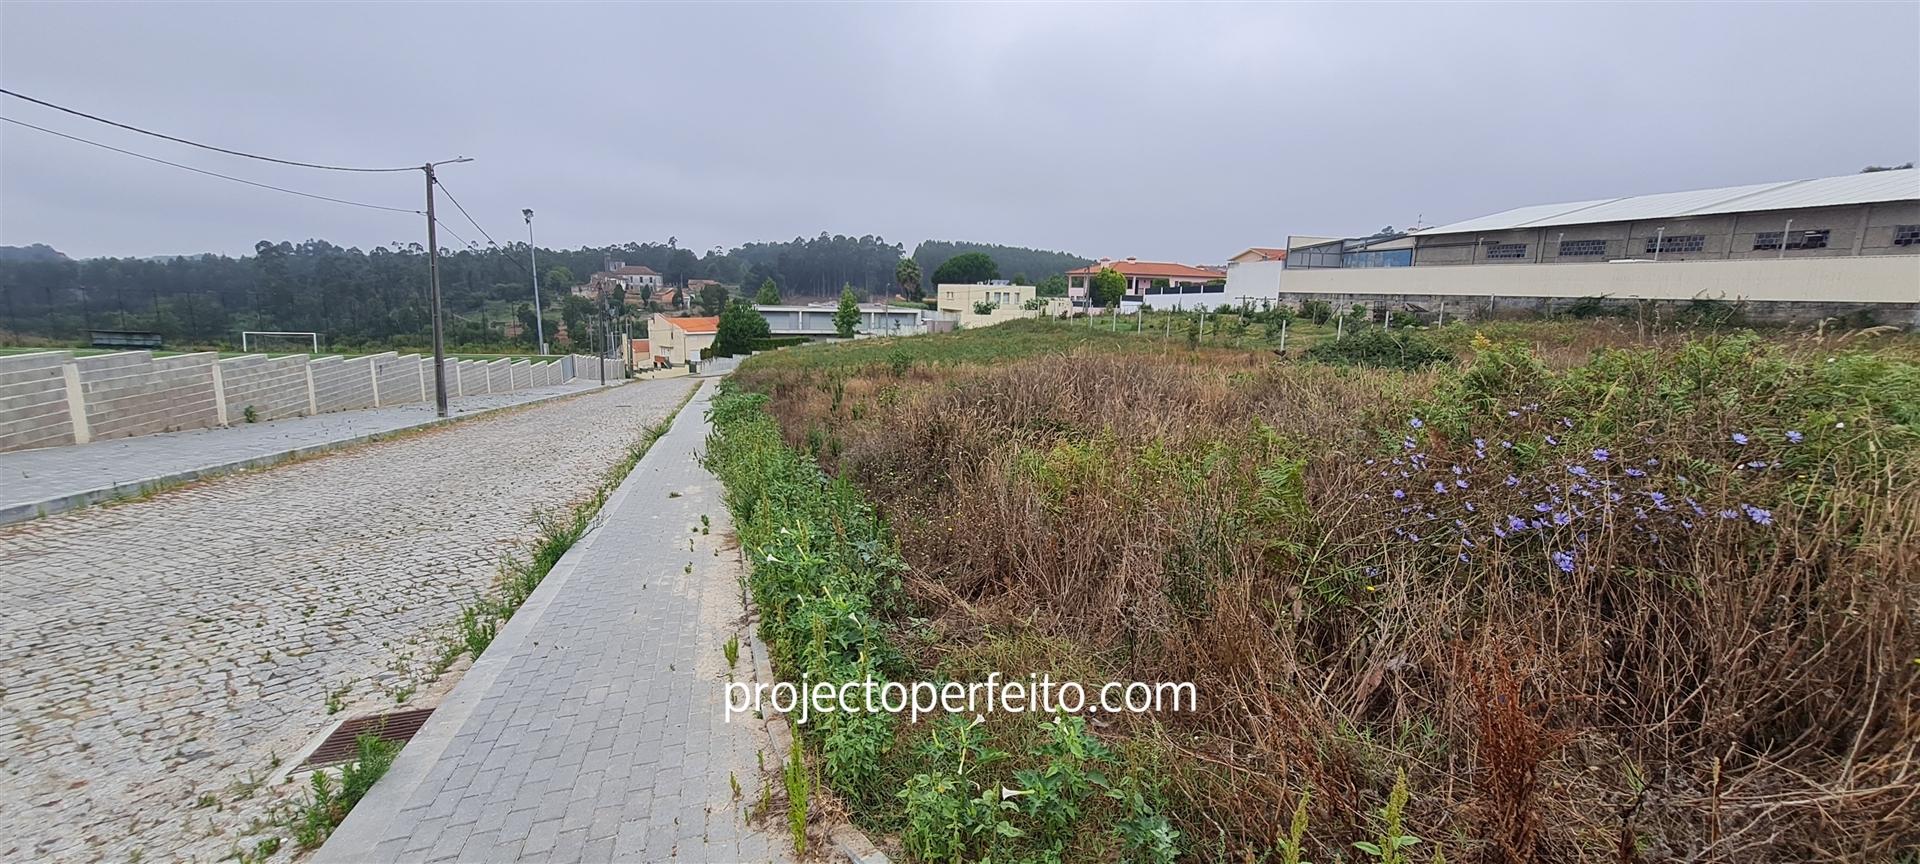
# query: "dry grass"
[1723,691]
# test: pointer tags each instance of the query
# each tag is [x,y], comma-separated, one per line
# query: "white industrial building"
[1847,245]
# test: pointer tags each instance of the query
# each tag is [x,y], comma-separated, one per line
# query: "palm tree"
[907,275]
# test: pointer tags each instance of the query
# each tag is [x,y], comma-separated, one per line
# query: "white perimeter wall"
[51,398]
[1890,279]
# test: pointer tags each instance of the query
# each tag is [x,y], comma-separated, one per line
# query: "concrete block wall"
[342,384]
[473,377]
[397,379]
[585,370]
[131,393]
[33,401]
[50,399]
[451,370]
[274,387]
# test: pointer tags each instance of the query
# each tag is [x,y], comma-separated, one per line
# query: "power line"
[496,247]
[96,119]
[212,173]
[463,211]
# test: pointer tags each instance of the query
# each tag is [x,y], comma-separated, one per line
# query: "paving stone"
[620,651]
[158,650]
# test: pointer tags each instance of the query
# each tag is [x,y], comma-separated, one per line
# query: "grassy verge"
[1574,596]
[824,567]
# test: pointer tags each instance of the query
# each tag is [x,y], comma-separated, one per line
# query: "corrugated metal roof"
[1793,194]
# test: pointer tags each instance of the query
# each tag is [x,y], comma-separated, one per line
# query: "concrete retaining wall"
[473,377]
[273,387]
[342,385]
[397,379]
[33,401]
[50,399]
[133,394]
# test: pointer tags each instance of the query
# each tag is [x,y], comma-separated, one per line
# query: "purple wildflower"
[1562,519]
[1794,437]
[1553,441]
[1463,558]
[1563,560]
[1415,423]
[1729,514]
[1635,472]
[1512,480]
[1481,443]
[1470,507]
[1457,471]
[1601,455]
[1577,470]
[1543,507]
[1399,494]
[1407,443]
[1740,438]
[1460,483]
[1439,487]
[1516,523]
[1759,515]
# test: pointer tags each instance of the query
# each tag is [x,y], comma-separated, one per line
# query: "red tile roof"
[696,325]
[635,270]
[1268,253]
[1150,269]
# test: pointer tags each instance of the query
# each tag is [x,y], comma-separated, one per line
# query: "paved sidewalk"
[592,728]
[40,482]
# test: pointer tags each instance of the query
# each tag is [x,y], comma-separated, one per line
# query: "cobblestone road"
[157,658]
[594,729]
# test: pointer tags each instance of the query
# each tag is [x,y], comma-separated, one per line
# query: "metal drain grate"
[340,746]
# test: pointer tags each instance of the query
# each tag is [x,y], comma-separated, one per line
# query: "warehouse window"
[1574,248]
[1677,243]
[1507,250]
[1795,240]
[1906,235]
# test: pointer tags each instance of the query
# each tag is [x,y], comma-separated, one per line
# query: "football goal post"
[250,339]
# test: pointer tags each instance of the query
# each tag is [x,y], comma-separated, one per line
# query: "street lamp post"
[539,327]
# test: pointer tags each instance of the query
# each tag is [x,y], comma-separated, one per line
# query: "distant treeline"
[1016,263]
[356,297]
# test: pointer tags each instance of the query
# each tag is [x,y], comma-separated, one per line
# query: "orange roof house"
[675,341]
[1258,253]
[1147,278]
[696,325]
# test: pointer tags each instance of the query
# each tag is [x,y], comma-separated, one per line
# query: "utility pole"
[433,294]
[539,327]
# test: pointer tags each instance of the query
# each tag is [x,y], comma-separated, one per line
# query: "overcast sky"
[1165,132]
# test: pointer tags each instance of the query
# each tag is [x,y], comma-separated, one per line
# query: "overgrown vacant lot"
[1610,604]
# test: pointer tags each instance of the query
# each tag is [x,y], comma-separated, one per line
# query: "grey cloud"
[1164,131]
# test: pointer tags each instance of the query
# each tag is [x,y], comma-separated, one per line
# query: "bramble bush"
[1678,623]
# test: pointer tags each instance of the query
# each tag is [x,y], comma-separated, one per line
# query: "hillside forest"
[377,297]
